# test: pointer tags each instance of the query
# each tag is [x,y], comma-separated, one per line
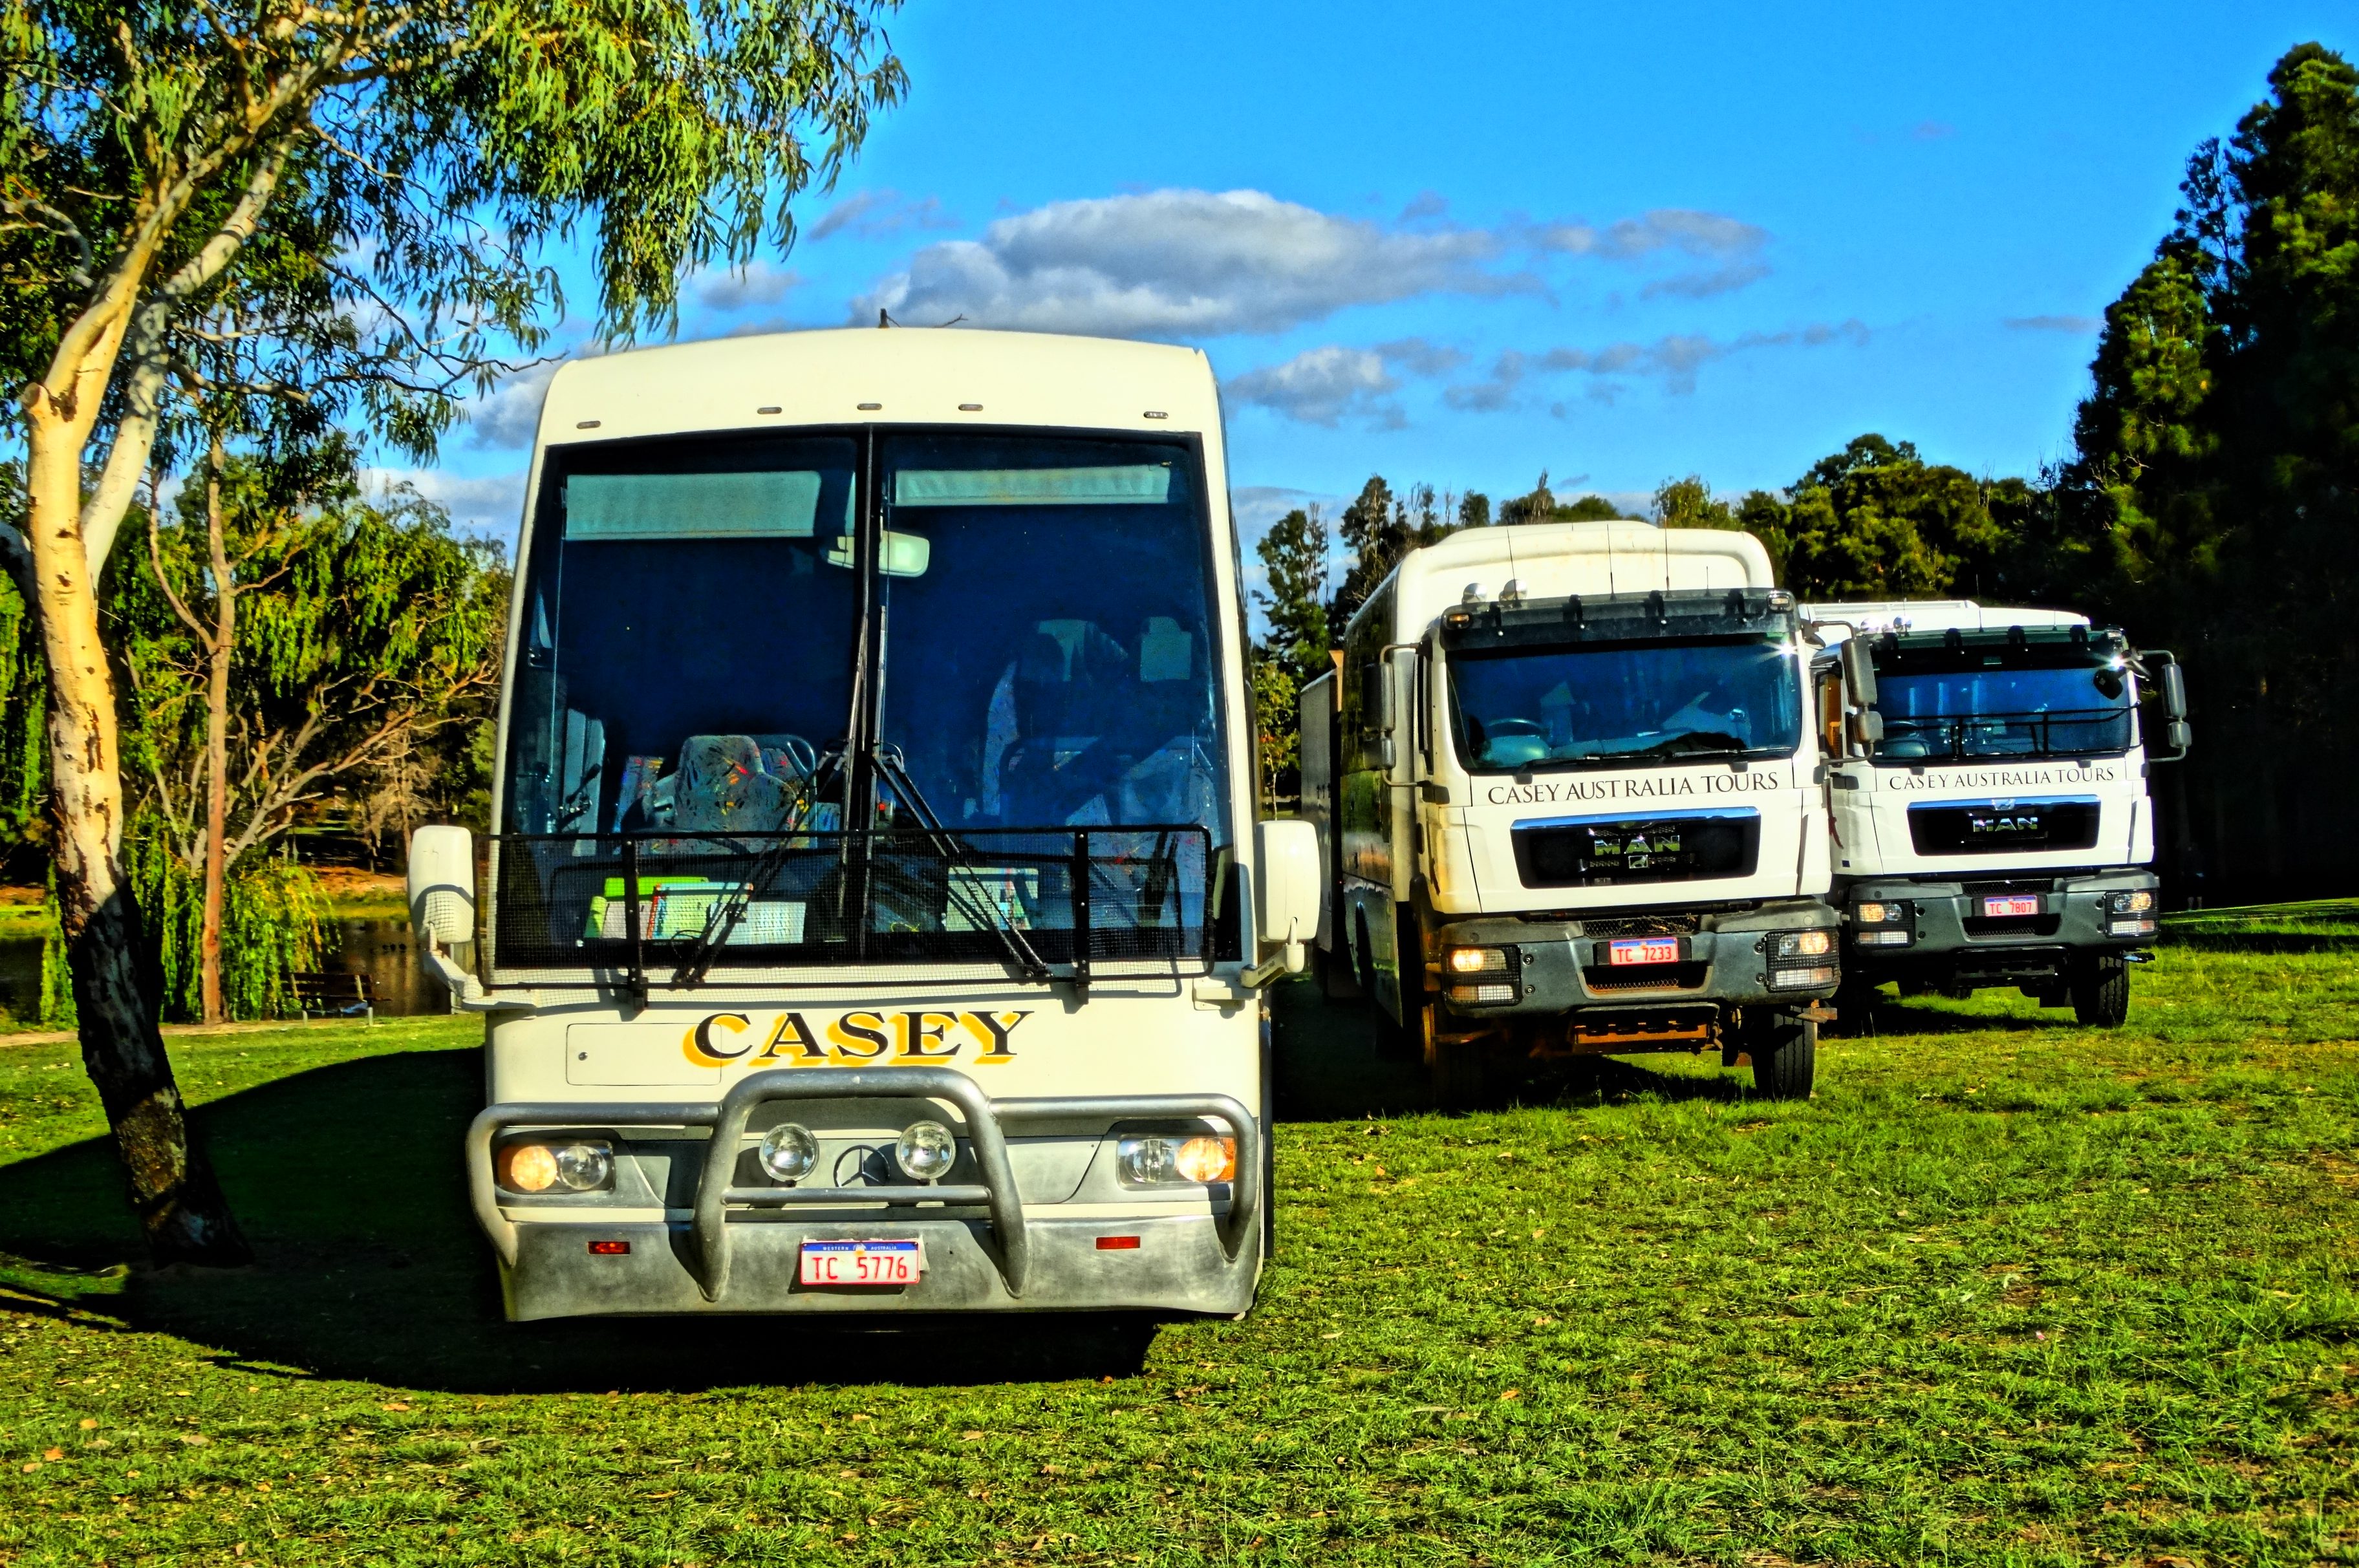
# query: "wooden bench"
[335,996]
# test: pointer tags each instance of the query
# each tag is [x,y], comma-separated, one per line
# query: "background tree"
[1294,559]
[1542,505]
[277,648]
[435,147]
[1375,532]
[2215,478]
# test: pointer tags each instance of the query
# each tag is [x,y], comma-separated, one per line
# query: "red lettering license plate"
[1643,950]
[863,1262]
[2012,904]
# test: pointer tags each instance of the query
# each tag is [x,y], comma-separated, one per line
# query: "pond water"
[384,950]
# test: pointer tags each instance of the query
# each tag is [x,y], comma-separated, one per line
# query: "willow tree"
[440,146]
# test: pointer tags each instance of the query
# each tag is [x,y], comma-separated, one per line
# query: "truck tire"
[2101,994]
[1785,1051]
[1460,1071]
[1854,1006]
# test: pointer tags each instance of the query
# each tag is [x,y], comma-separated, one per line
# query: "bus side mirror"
[2177,733]
[1859,683]
[442,902]
[1289,890]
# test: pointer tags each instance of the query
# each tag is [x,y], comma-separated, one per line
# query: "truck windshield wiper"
[1710,742]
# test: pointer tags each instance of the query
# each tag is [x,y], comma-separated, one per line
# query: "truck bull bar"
[986,1119]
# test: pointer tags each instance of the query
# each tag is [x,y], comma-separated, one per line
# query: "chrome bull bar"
[986,1119]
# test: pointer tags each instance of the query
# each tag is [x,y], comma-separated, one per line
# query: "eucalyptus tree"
[432,150]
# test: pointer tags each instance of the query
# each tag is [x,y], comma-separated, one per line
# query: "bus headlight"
[788,1152]
[925,1150]
[1152,1161]
[562,1167]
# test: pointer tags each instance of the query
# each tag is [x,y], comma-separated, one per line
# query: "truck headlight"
[1880,913]
[1473,996]
[1805,944]
[925,1150]
[1801,977]
[563,1167]
[2136,901]
[1883,936]
[1477,960]
[1156,1161]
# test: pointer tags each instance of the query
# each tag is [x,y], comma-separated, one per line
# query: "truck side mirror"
[1401,703]
[1859,682]
[1289,889]
[2177,733]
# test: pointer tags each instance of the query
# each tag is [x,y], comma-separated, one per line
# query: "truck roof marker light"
[1513,591]
[610,1249]
[769,409]
[970,408]
[1157,414]
[1473,596]
[1780,601]
[587,424]
[869,407]
[1117,1244]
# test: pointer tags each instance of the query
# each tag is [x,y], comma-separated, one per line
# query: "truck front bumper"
[1564,964]
[1952,939]
[738,1248]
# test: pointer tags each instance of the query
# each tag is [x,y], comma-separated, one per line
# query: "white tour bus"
[876,909]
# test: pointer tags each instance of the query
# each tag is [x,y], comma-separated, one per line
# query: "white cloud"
[1705,235]
[1181,263]
[756,283]
[1674,361]
[2075,324]
[491,505]
[510,414]
[871,214]
[1321,386]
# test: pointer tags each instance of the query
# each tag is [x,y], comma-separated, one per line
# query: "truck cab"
[1573,804]
[1991,823]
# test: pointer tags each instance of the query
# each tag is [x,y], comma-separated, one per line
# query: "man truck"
[877,905]
[1991,823]
[1572,803]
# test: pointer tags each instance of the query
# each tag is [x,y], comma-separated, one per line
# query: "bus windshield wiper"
[973,897]
[1717,742]
[731,907]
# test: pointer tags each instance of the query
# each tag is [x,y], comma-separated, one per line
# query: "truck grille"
[2003,826]
[1590,852]
[1641,925]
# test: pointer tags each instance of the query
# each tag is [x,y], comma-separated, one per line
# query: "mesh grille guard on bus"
[706,904]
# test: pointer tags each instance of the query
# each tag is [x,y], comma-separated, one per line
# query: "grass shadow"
[1909,1015]
[2265,942]
[369,1264]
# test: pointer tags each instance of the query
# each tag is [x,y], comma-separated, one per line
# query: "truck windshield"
[1649,702]
[1991,705]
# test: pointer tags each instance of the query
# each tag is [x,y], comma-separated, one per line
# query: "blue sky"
[1462,245]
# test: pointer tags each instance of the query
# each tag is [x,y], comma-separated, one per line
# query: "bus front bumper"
[740,1249]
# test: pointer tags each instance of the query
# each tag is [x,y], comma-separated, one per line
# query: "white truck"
[1991,823]
[1572,803]
[876,911]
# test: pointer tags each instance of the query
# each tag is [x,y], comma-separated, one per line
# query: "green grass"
[2006,1292]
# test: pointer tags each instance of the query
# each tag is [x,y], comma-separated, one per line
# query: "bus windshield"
[870,695]
[1654,702]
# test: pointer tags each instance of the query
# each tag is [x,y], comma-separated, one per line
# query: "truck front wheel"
[2101,994]
[1785,1051]
[1459,1070]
